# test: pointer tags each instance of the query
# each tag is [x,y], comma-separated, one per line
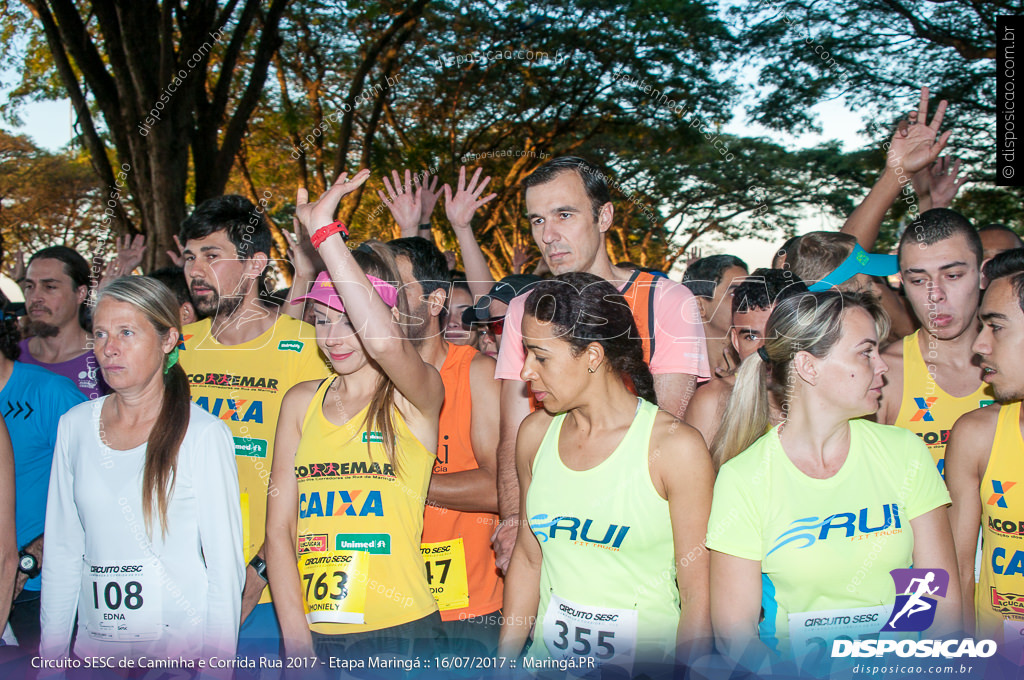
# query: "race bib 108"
[121,601]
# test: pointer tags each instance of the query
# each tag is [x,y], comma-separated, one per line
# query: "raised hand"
[320,213]
[130,252]
[461,208]
[178,258]
[944,181]
[520,256]
[404,203]
[922,182]
[429,194]
[692,255]
[16,269]
[916,142]
[298,249]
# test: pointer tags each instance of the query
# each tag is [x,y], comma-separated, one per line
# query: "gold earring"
[590,370]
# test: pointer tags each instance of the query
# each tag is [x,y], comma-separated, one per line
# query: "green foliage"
[644,88]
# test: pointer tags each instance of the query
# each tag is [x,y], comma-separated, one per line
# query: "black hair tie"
[764,355]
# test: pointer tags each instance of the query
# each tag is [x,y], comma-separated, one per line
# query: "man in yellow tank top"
[933,376]
[240,363]
[462,501]
[985,476]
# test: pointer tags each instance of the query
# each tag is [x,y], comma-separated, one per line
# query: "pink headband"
[323,291]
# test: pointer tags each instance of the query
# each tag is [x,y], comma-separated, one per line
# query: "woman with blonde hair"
[352,463]
[809,517]
[143,527]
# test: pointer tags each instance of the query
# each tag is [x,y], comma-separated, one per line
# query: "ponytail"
[746,416]
[162,450]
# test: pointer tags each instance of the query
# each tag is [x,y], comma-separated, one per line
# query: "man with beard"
[56,288]
[985,475]
[241,360]
[462,500]
[933,377]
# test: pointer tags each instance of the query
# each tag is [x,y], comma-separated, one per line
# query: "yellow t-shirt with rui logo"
[243,385]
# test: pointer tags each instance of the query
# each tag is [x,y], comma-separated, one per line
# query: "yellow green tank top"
[608,574]
[999,598]
[926,410]
[360,522]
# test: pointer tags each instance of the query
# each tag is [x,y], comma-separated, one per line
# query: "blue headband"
[859,262]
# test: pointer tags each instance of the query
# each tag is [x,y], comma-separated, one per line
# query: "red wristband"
[321,234]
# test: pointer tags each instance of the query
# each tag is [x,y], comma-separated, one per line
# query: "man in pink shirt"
[569,208]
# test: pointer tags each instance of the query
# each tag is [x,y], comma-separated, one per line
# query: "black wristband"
[425,227]
[28,564]
[260,565]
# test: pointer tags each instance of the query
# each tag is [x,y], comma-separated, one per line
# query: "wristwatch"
[260,565]
[28,564]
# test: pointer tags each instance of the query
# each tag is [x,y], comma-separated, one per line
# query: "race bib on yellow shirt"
[574,630]
[446,573]
[334,586]
[121,601]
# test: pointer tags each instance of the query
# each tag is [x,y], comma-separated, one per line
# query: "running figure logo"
[916,593]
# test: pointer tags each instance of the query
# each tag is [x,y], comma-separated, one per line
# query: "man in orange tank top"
[934,377]
[985,461]
[462,499]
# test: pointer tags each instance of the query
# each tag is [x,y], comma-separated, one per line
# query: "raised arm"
[382,336]
[460,209]
[303,258]
[430,193]
[914,146]
[945,182]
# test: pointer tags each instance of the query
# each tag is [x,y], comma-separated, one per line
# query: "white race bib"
[121,601]
[608,635]
[811,634]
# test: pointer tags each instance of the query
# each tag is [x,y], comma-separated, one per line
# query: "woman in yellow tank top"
[352,463]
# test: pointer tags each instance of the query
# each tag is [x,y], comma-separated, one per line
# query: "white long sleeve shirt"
[164,596]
